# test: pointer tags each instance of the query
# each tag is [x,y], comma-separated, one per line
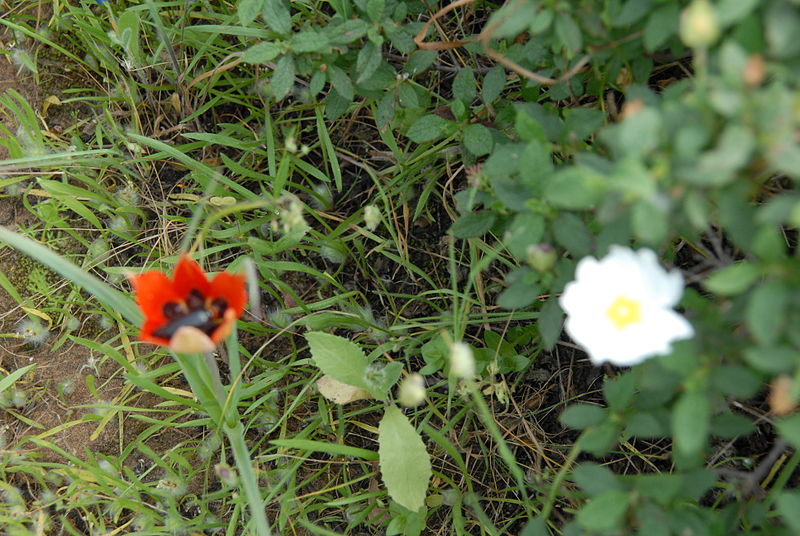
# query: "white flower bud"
[699,24]
[462,362]
[372,217]
[411,392]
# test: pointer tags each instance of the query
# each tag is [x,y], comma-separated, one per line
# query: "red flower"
[188,313]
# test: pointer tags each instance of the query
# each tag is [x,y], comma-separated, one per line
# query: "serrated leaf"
[569,33]
[428,128]
[580,416]
[339,358]
[604,512]
[247,10]
[276,14]
[308,41]
[550,320]
[261,52]
[369,58]
[464,85]
[341,83]
[519,295]
[283,77]
[766,312]
[661,25]
[478,139]
[493,84]
[595,479]
[691,416]
[375,9]
[405,464]
[733,279]
[574,188]
[473,224]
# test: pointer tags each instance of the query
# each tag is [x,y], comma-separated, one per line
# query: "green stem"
[248,478]
[562,474]
[502,446]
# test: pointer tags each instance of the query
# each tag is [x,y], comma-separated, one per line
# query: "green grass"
[145,195]
[170,143]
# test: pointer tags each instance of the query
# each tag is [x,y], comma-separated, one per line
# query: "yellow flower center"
[624,312]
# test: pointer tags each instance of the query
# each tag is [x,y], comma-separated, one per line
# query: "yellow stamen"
[624,312]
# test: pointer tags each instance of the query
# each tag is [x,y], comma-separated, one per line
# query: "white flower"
[619,309]
[411,392]
[462,362]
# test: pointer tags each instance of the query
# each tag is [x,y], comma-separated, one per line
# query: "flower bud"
[372,217]
[411,392]
[541,257]
[699,24]
[754,71]
[462,361]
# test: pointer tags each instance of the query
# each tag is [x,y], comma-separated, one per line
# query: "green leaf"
[568,33]
[570,231]
[733,279]
[493,84]
[661,25]
[529,129]
[473,224]
[595,479]
[549,323]
[341,83]
[732,11]
[369,59]
[598,440]
[407,96]
[478,139]
[464,85]
[580,416]
[375,9]
[334,449]
[789,429]
[662,488]
[339,358]
[766,312]
[519,295]
[619,391]
[604,512]
[276,14]
[261,52]
[428,128]
[773,359]
[690,423]
[574,188]
[308,41]
[650,222]
[782,21]
[525,230]
[632,11]
[581,123]
[788,503]
[248,10]
[405,464]
[9,380]
[283,77]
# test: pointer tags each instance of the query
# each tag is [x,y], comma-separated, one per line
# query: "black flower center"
[196,311]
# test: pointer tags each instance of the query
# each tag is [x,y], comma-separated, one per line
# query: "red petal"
[188,276]
[232,288]
[224,329]
[153,290]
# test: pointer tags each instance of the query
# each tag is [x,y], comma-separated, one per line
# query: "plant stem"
[247,477]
